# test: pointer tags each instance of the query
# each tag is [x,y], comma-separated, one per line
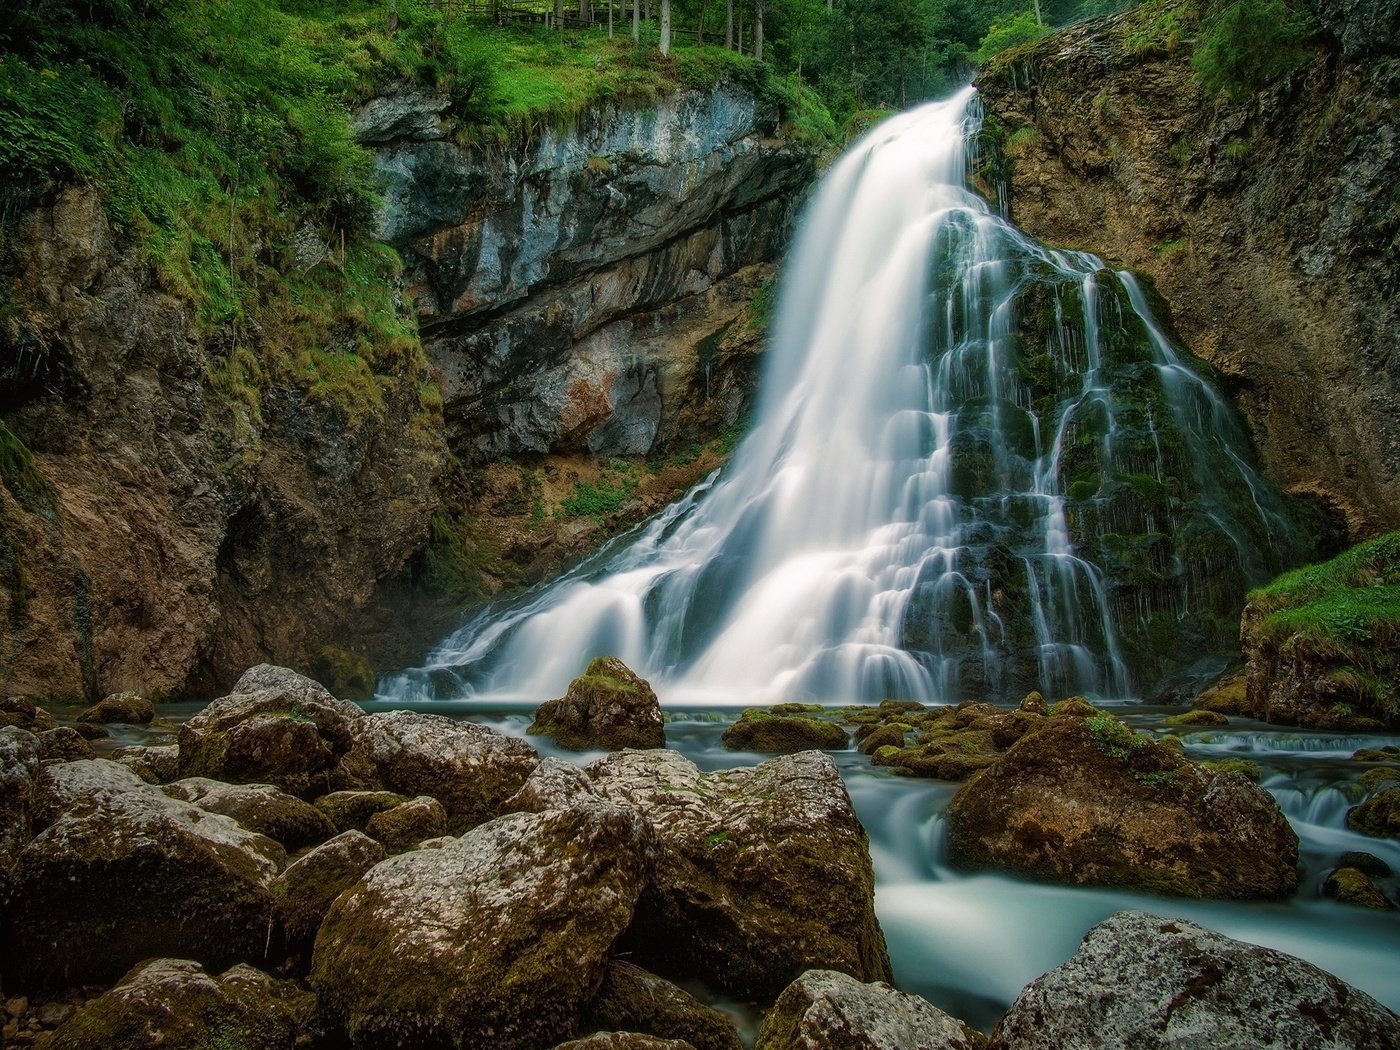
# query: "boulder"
[624,1041]
[23,713]
[64,744]
[276,727]
[1147,982]
[763,873]
[175,1004]
[1085,801]
[606,708]
[1351,886]
[1366,863]
[262,808]
[153,764]
[781,734]
[1197,717]
[1379,816]
[472,770]
[553,785]
[831,1010]
[632,1000]
[404,827]
[19,768]
[120,873]
[303,893]
[127,708]
[352,810]
[498,938]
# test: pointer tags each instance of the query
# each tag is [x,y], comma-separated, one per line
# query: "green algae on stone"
[1378,816]
[1350,886]
[763,730]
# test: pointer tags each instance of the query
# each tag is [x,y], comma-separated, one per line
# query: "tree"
[665,27]
[758,29]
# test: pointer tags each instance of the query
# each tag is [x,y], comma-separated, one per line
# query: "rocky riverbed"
[282,868]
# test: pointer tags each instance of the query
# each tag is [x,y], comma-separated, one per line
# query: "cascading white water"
[897,453]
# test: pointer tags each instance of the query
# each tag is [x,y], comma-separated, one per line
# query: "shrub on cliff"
[1248,44]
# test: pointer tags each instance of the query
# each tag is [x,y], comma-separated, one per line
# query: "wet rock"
[1034,703]
[1366,863]
[1074,706]
[64,744]
[606,708]
[831,1010]
[19,767]
[153,764]
[1388,753]
[882,736]
[1351,886]
[303,893]
[23,713]
[624,1041]
[120,872]
[403,827]
[499,938]
[1379,779]
[780,734]
[126,708]
[1143,981]
[262,808]
[763,873]
[472,770]
[352,810]
[176,1005]
[1086,801]
[91,730]
[1378,816]
[553,785]
[276,727]
[1197,718]
[631,999]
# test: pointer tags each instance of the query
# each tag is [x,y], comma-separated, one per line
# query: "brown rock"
[128,708]
[624,1041]
[1379,815]
[64,744]
[1351,886]
[632,1000]
[783,734]
[260,808]
[352,810]
[405,826]
[606,708]
[303,893]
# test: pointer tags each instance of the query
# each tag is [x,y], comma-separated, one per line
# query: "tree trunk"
[558,14]
[1038,20]
[758,30]
[636,20]
[583,12]
[665,27]
[610,19]
[729,25]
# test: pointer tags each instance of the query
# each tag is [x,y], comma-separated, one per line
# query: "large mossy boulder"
[553,785]
[471,769]
[606,708]
[175,1004]
[834,1011]
[262,808]
[781,733]
[762,873]
[64,744]
[631,999]
[1085,801]
[1146,982]
[499,938]
[125,708]
[276,727]
[22,713]
[1378,815]
[118,872]
[19,766]
[153,763]
[303,893]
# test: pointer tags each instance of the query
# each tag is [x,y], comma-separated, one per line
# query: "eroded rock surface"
[632,1000]
[303,893]
[262,808]
[607,707]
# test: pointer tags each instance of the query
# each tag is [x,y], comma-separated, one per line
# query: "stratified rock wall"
[1269,224]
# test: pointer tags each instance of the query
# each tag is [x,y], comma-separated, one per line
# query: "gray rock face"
[1143,981]
[607,707]
[303,893]
[154,764]
[403,827]
[553,785]
[407,112]
[1364,27]
[632,1000]
[19,766]
[120,872]
[276,727]
[64,744]
[472,770]
[261,808]
[176,1005]
[830,1010]
[498,938]
[763,873]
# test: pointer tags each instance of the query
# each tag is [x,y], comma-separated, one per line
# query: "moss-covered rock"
[118,872]
[345,674]
[155,764]
[762,872]
[823,1008]
[760,729]
[127,708]
[304,892]
[1034,703]
[1366,863]
[19,767]
[261,808]
[401,828]
[176,1005]
[1152,983]
[1075,706]
[1379,816]
[276,727]
[1379,779]
[1243,766]
[64,744]
[606,708]
[471,769]
[553,785]
[498,938]
[1229,696]
[1350,886]
[632,1000]
[1197,718]
[1387,753]
[1086,801]
[352,810]
[880,736]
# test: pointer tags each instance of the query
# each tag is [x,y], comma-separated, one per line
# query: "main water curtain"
[978,467]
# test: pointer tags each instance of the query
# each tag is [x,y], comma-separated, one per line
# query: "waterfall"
[978,466]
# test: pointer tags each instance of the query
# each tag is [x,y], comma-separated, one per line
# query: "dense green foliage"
[1247,44]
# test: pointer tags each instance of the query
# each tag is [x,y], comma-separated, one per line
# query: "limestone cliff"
[1270,224]
[163,525]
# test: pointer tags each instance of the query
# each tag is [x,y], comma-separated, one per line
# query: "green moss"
[599,499]
[1197,718]
[21,474]
[346,674]
[1237,765]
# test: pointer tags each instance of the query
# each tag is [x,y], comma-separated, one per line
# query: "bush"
[1008,32]
[1246,45]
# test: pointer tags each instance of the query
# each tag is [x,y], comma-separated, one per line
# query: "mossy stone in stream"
[1197,718]
[1350,886]
[1379,816]
[882,736]
[607,707]
[128,708]
[762,730]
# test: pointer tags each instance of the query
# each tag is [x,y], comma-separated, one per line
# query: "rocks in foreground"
[1146,982]
[499,938]
[1084,800]
[762,873]
[632,1000]
[606,708]
[303,893]
[175,1004]
[831,1010]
